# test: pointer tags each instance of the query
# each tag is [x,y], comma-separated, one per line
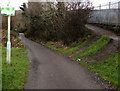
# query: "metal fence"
[106,14]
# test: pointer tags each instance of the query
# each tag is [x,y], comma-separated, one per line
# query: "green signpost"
[8,11]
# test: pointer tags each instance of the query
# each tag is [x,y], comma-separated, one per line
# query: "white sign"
[8,11]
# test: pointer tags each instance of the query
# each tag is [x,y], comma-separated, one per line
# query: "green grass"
[67,50]
[75,47]
[95,47]
[108,69]
[14,75]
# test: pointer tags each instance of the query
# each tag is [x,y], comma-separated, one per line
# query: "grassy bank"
[95,47]
[14,75]
[66,50]
[91,50]
[107,69]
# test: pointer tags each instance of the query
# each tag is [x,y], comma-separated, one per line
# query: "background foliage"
[54,21]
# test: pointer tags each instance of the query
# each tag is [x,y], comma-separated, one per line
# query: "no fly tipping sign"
[7,11]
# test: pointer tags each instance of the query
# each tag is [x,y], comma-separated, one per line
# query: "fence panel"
[109,16]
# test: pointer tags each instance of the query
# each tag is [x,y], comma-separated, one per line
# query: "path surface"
[111,48]
[52,71]
[101,31]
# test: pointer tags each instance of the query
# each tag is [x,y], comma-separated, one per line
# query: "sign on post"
[8,11]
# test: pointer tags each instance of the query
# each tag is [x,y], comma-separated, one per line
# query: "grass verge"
[95,47]
[107,69]
[14,75]
[66,50]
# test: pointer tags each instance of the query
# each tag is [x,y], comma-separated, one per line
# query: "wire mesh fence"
[106,14]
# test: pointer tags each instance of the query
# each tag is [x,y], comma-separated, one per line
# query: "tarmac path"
[50,70]
[101,31]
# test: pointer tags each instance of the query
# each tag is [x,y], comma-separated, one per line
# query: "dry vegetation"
[16,42]
[54,21]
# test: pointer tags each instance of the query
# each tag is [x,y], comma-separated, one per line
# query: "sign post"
[8,11]
[8,43]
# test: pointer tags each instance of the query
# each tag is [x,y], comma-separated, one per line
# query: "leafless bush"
[56,21]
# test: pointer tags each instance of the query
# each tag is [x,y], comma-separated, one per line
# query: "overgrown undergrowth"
[14,75]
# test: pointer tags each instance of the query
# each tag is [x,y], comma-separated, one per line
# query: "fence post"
[119,13]
[100,7]
[109,5]
[99,14]
[119,5]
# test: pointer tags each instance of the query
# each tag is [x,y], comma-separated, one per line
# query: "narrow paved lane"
[52,71]
[101,31]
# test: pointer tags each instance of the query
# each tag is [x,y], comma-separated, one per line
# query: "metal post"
[100,14]
[109,5]
[8,42]
[100,7]
[119,13]
[119,5]
[108,18]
